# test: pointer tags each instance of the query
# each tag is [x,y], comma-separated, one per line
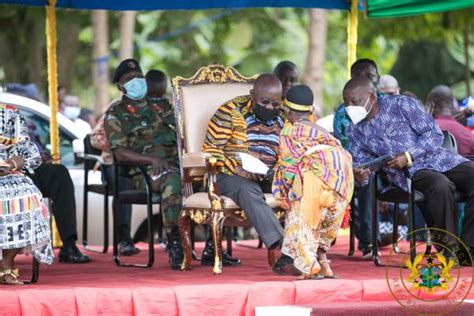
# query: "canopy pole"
[53,96]
[52,78]
[352,22]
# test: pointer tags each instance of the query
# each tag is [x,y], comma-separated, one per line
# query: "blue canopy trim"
[139,5]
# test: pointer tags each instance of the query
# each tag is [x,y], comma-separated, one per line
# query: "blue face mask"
[136,88]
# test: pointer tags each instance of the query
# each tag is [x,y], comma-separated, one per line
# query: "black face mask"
[265,114]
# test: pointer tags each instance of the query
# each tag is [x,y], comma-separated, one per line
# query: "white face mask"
[72,112]
[358,113]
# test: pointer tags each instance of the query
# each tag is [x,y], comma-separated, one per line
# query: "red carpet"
[102,288]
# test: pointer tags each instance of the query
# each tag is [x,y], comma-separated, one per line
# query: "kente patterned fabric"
[314,180]
[234,128]
[307,148]
[304,235]
[401,125]
[24,219]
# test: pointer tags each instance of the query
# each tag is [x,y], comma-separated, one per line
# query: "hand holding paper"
[375,164]
[253,165]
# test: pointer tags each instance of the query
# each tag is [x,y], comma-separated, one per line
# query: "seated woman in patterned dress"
[314,181]
[24,219]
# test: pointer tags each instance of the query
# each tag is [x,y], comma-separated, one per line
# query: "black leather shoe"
[127,248]
[283,260]
[284,266]
[176,252]
[287,269]
[72,254]
[207,258]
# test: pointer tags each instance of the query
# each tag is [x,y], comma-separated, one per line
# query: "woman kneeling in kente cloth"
[24,219]
[314,182]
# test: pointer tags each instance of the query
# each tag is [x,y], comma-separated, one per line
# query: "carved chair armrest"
[195,160]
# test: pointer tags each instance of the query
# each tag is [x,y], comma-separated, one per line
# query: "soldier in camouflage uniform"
[141,129]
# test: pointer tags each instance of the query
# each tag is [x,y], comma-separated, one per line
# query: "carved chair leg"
[217,226]
[184,232]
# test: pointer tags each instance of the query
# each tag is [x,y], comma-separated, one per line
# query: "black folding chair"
[138,196]
[394,194]
[92,156]
[352,228]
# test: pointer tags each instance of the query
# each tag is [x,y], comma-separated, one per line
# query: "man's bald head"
[266,82]
[440,91]
[358,84]
[389,85]
[360,91]
[266,92]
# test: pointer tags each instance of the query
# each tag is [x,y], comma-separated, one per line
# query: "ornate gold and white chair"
[196,99]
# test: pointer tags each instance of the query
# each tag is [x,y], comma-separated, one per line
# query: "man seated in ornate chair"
[249,124]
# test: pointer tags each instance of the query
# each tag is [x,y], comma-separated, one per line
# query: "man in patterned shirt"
[399,127]
[362,216]
[249,124]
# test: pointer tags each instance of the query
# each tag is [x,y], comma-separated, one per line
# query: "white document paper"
[252,164]
[283,310]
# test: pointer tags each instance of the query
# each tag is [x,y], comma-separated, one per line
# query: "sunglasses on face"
[273,103]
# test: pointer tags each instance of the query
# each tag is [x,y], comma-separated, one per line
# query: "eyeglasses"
[273,103]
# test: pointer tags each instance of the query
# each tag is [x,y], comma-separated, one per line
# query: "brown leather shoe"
[273,255]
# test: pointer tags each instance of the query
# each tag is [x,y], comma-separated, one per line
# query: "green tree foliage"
[431,49]
[423,65]
[252,40]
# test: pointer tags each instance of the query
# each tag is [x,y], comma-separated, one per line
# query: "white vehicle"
[39,114]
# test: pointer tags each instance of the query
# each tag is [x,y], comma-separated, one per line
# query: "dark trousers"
[363,216]
[249,196]
[124,210]
[438,189]
[55,183]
